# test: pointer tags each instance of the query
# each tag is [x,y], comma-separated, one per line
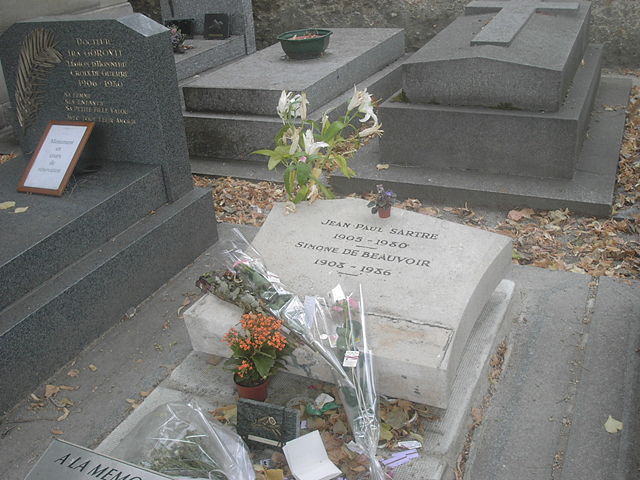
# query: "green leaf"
[334,129]
[263,363]
[302,194]
[288,180]
[273,162]
[268,153]
[303,173]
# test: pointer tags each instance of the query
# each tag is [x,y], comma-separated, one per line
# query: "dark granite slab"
[50,325]
[56,231]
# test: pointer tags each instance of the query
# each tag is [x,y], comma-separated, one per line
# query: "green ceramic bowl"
[305,48]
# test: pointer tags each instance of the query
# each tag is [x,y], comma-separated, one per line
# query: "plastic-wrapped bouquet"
[177,439]
[333,328]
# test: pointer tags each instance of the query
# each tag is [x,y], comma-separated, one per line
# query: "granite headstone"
[118,73]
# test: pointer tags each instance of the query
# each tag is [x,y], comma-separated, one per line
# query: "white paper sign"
[55,156]
[308,459]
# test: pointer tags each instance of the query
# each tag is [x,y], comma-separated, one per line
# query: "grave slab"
[498,141]
[104,71]
[589,192]
[207,54]
[229,136]
[532,73]
[55,232]
[424,280]
[252,85]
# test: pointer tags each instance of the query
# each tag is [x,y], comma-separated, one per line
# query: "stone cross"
[512,16]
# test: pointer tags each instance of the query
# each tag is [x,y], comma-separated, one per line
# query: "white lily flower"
[367,109]
[283,104]
[295,141]
[374,130]
[311,147]
[356,99]
[313,194]
[325,121]
[299,104]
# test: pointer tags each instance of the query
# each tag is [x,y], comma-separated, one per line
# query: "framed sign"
[55,157]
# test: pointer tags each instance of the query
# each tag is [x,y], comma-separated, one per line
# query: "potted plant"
[381,204]
[258,352]
[306,43]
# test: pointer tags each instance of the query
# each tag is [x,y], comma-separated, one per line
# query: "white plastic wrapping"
[178,440]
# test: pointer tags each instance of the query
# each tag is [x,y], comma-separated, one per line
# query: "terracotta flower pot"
[256,392]
[384,212]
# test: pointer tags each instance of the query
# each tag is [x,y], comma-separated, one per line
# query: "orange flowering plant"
[258,350]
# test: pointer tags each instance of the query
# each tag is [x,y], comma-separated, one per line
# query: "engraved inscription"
[97,67]
[360,249]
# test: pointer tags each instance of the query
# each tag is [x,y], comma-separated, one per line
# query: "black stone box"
[263,424]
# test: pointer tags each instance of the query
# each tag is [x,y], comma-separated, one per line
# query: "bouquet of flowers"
[306,148]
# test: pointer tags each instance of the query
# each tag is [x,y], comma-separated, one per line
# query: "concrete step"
[57,231]
[590,191]
[229,137]
[253,84]
[207,54]
[53,323]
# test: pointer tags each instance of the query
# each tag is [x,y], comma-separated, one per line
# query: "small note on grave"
[65,461]
[308,459]
[55,157]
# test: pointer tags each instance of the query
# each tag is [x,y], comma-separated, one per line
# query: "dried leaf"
[56,431]
[92,367]
[274,474]
[64,415]
[67,387]
[385,432]
[6,205]
[34,397]
[73,373]
[397,418]
[612,425]
[50,390]
[382,166]
[476,415]
[145,394]
[21,209]
[517,215]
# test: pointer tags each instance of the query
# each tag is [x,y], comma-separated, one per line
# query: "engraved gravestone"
[118,73]
[66,461]
[425,283]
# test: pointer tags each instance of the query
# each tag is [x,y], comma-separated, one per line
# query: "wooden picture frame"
[56,156]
